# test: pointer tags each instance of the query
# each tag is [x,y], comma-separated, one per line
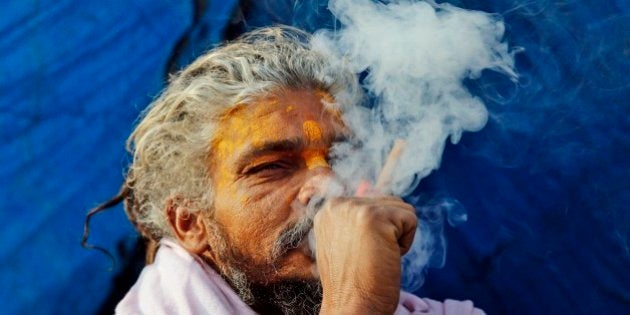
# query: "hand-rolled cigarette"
[387,172]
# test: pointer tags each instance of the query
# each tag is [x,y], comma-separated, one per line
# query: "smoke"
[413,57]
[429,244]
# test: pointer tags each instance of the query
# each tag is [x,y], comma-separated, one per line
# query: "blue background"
[545,184]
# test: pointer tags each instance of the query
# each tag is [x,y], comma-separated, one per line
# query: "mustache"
[292,237]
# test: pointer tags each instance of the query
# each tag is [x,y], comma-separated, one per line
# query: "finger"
[362,190]
[406,239]
[382,200]
[406,223]
[366,189]
[397,203]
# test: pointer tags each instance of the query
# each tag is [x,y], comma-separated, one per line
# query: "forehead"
[288,114]
[286,104]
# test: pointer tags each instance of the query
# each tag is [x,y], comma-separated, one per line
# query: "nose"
[321,180]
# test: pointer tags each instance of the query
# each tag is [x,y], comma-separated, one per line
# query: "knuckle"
[414,221]
[366,214]
[337,201]
[410,208]
[353,202]
[332,204]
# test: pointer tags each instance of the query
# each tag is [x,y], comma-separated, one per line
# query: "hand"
[360,242]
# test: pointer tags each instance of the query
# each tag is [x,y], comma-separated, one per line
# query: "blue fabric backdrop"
[545,184]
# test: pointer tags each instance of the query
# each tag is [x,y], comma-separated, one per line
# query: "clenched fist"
[360,242]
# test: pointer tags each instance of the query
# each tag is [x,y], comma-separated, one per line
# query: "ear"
[187,226]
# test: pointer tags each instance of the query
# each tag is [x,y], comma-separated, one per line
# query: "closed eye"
[269,167]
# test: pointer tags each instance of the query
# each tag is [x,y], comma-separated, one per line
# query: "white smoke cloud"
[416,55]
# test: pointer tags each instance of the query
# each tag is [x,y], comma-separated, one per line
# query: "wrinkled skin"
[269,159]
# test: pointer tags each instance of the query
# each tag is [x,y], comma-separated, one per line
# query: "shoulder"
[180,283]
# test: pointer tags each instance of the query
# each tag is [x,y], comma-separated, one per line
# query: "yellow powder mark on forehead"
[312,130]
[289,108]
[315,158]
[316,161]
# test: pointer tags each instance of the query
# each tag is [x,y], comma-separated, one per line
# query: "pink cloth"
[410,304]
[180,283]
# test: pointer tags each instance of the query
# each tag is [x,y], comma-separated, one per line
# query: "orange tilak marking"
[315,158]
[316,161]
[312,130]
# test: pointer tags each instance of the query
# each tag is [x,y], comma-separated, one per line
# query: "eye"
[269,167]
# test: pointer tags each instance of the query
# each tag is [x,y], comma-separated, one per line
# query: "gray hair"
[171,145]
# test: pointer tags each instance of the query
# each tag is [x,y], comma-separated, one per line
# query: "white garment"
[178,283]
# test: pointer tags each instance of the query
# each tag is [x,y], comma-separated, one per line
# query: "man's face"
[268,159]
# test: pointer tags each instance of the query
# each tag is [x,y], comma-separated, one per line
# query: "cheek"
[255,216]
[270,204]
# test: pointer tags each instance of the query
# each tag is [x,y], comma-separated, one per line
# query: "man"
[229,168]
